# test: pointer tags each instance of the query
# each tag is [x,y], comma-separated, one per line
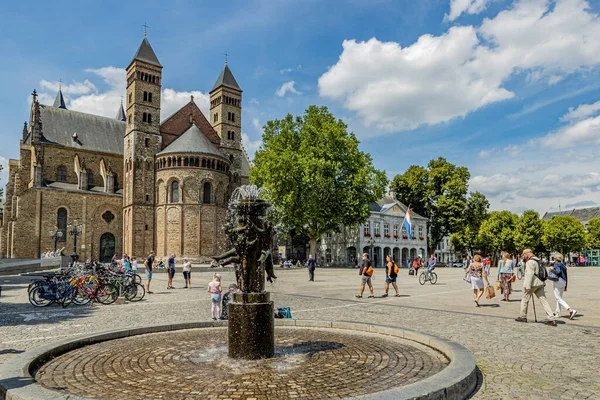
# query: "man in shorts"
[148,264]
[366,273]
[171,271]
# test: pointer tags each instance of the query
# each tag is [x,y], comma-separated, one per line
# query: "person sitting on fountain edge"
[227,297]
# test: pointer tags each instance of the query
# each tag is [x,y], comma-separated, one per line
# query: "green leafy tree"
[497,232]
[475,213]
[564,234]
[438,193]
[529,231]
[592,234]
[317,177]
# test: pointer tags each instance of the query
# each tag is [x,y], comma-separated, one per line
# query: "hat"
[219,276]
[233,286]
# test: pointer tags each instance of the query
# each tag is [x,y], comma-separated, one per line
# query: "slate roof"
[121,114]
[146,54]
[226,79]
[59,101]
[94,132]
[192,141]
[384,204]
[582,214]
[75,187]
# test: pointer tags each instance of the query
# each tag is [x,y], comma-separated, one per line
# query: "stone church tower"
[142,142]
[226,119]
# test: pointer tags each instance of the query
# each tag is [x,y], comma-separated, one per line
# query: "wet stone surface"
[191,364]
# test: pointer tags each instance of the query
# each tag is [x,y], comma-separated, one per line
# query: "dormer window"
[75,137]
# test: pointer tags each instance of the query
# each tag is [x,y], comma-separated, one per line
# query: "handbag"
[498,285]
[490,293]
[513,278]
[468,277]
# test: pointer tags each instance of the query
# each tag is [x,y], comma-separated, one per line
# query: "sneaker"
[384,295]
[358,296]
[550,322]
[521,319]
[371,297]
[572,314]
[556,315]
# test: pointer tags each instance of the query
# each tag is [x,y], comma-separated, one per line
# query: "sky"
[509,89]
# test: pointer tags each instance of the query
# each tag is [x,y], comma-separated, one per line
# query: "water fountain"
[251,329]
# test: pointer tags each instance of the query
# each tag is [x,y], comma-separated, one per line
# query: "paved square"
[517,360]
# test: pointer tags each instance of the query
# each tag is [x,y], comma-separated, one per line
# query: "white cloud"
[256,124]
[106,103]
[513,151]
[484,154]
[285,70]
[439,78]
[584,110]
[458,7]
[251,146]
[287,87]
[253,101]
[576,134]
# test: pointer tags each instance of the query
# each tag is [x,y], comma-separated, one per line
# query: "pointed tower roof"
[59,102]
[192,141]
[226,79]
[121,114]
[146,54]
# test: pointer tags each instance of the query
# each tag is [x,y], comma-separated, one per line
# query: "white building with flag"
[392,229]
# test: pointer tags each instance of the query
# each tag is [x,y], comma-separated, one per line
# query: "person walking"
[416,265]
[505,274]
[533,285]
[312,265]
[214,288]
[558,276]
[487,264]
[187,273]
[366,273]
[478,274]
[148,264]
[171,271]
[391,275]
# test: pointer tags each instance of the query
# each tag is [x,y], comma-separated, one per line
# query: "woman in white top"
[187,272]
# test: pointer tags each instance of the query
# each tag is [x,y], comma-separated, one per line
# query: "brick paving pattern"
[310,363]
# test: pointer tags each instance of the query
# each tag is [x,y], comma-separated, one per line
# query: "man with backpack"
[533,284]
[311,264]
[391,273]
[366,273]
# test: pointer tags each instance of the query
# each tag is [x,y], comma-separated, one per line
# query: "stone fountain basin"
[457,380]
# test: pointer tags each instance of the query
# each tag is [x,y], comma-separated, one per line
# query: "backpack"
[542,274]
[396,269]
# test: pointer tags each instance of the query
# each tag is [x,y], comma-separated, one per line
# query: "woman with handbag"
[558,276]
[505,274]
[478,274]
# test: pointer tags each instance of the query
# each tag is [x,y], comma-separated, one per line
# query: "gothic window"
[116,181]
[175,192]
[61,174]
[61,223]
[90,176]
[207,193]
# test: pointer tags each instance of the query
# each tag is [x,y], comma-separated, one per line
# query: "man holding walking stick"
[533,285]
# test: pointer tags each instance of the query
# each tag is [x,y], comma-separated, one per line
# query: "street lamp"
[56,234]
[371,242]
[74,230]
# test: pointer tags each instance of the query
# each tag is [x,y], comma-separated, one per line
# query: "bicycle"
[520,273]
[428,276]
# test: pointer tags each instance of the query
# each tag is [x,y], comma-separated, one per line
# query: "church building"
[129,184]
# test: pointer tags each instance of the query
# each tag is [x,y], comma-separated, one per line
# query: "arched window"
[61,174]
[175,192]
[149,118]
[204,163]
[145,96]
[150,97]
[144,117]
[232,117]
[207,193]
[61,223]
[185,162]
[90,176]
[216,117]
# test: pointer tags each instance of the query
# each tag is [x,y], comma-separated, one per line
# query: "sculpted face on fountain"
[251,237]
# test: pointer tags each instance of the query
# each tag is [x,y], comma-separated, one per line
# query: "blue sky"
[506,88]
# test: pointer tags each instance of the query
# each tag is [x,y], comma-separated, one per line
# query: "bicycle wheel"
[81,297]
[68,297]
[140,293]
[36,299]
[129,292]
[422,278]
[433,278]
[520,274]
[138,279]
[107,293]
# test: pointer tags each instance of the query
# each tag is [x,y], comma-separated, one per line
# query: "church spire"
[226,79]
[59,102]
[121,114]
[145,53]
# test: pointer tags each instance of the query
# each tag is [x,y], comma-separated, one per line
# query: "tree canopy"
[438,193]
[529,231]
[497,232]
[564,234]
[317,177]
[592,235]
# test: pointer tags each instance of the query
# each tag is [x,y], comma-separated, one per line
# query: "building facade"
[133,184]
[383,234]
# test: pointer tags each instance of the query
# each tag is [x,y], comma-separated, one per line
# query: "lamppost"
[74,230]
[371,242]
[56,234]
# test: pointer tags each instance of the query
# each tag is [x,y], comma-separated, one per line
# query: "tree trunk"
[313,248]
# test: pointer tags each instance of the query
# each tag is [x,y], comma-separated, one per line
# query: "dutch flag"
[408,223]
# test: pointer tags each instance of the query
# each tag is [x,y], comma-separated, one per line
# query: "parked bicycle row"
[82,284]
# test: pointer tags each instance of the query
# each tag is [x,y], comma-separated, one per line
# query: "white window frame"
[367,228]
[386,229]
[376,229]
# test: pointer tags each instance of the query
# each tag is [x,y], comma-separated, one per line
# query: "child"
[134,265]
[214,288]
[227,297]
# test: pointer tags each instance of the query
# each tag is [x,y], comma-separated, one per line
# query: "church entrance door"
[107,247]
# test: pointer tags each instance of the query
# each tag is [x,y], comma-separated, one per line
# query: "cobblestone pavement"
[517,360]
[321,364]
